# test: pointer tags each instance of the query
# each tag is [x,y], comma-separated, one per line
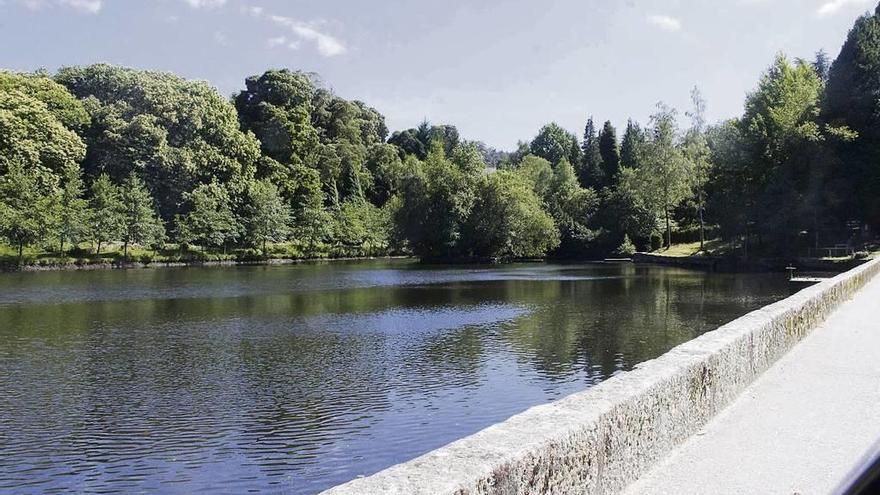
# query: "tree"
[663,179]
[409,144]
[209,221]
[267,217]
[445,134]
[279,107]
[468,159]
[851,101]
[106,205]
[173,133]
[507,221]
[696,150]
[781,135]
[822,65]
[63,106]
[73,208]
[538,172]
[140,224]
[610,153]
[591,172]
[631,145]
[436,201]
[386,171]
[553,143]
[27,209]
[362,226]
[33,136]
[572,208]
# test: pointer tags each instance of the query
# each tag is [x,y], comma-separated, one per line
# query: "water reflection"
[293,379]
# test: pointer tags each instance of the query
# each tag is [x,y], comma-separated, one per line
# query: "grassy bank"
[84,256]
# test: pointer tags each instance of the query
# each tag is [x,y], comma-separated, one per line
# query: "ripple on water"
[293,379]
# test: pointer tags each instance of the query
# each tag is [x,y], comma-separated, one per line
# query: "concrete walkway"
[800,427]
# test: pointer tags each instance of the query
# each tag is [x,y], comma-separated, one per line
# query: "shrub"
[626,248]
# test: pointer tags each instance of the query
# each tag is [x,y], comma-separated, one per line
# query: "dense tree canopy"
[112,157]
[32,135]
[851,101]
[554,144]
[173,133]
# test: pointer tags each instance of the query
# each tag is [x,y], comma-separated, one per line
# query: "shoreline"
[137,265]
[703,263]
[721,264]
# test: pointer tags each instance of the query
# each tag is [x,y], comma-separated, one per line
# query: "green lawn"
[712,247]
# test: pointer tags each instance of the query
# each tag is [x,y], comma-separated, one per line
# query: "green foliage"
[173,133]
[771,168]
[851,103]
[572,208]
[780,114]
[467,158]
[436,200]
[362,228]
[140,224]
[553,143]
[591,172]
[66,109]
[631,145]
[288,168]
[27,207]
[409,144]
[507,221]
[107,220]
[610,153]
[626,248]
[267,217]
[277,107]
[663,179]
[73,209]
[420,141]
[386,171]
[33,136]
[209,220]
[538,172]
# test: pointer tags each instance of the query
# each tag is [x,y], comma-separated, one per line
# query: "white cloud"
[205,4]
[252,10]
[832,7]
[88,6]
[84,6]
[326,44]
[283,41]
[665,22]
[276,41]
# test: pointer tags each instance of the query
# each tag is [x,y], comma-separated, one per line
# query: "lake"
[292,379]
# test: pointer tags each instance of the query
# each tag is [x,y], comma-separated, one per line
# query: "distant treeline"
[103,155]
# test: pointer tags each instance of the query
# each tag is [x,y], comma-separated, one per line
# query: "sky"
[497,69]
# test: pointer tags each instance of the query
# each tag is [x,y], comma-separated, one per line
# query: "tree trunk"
[668,230]
[702,226]
[20,252]
[62,246]
[98,250]
[125,250]
[264,248]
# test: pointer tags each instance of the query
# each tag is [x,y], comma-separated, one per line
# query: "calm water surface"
[294,379]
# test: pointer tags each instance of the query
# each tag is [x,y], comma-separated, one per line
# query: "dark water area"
[294,379]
